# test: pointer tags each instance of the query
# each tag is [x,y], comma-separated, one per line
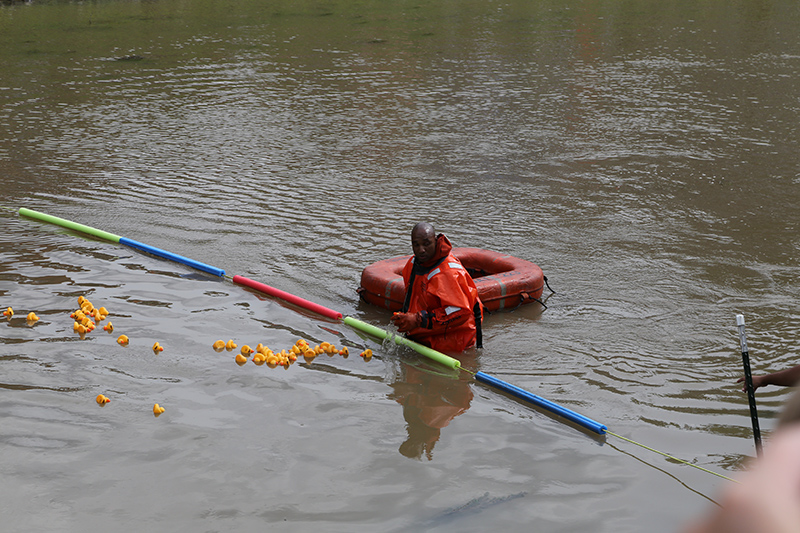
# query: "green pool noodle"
[430,353]
[69,224]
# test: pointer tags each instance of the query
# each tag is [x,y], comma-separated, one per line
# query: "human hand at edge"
[758,381]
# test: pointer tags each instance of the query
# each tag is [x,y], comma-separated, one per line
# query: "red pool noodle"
[291,298]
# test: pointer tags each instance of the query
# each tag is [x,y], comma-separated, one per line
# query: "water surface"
[644,155]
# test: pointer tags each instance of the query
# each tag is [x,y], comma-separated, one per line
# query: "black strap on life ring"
[478,332]
[548,285]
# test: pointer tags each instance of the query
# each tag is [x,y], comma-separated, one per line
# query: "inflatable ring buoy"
[503,281]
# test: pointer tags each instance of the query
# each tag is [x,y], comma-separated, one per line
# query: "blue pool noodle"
[522,394]
[172,257]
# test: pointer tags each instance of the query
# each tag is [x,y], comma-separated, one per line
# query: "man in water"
[442,309]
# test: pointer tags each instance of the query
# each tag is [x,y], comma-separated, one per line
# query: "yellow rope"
[671,457]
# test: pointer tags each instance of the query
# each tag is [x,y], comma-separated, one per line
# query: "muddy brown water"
[644,155]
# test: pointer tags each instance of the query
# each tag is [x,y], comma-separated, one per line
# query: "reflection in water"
[430,401]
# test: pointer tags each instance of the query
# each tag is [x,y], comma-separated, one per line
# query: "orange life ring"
[503,281]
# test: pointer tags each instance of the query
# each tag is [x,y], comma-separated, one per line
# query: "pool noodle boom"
[172,257]
[291,298]
[439,357]
[487,379]
[69,224]
[430,353]
[121,240]
[522,394]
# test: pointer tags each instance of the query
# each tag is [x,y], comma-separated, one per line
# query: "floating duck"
[240,359]
[157,348]
[344,352]
[366,354]
[123,340]
[32,317]
[231,345]
[259,359]
[309,355]
[157,410]
[8,312]
[219,345]
[108,327]
[246,350]
[101,399]
[80,328]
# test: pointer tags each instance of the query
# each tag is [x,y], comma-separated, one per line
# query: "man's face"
[424,245]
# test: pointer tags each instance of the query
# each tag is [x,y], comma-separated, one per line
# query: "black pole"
[748,380]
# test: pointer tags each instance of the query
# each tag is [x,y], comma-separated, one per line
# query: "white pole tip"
[740,320]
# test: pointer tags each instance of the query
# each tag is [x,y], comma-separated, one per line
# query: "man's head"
[423,242]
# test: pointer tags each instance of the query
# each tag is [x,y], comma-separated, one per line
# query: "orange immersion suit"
[443,293]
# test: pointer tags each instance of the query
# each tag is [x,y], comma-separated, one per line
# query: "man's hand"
[406,321]
[758,381]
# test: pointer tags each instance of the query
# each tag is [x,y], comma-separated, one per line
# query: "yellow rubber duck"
[8,312]
[108,327]
[157,348]
[219,345]
[344,351]
[101,399]
[309,355]
[80,328]
[259,359]
[246,350]
[32,317]
[240,359]
[157,410]
[230,345]
[366,354]
[123,340]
